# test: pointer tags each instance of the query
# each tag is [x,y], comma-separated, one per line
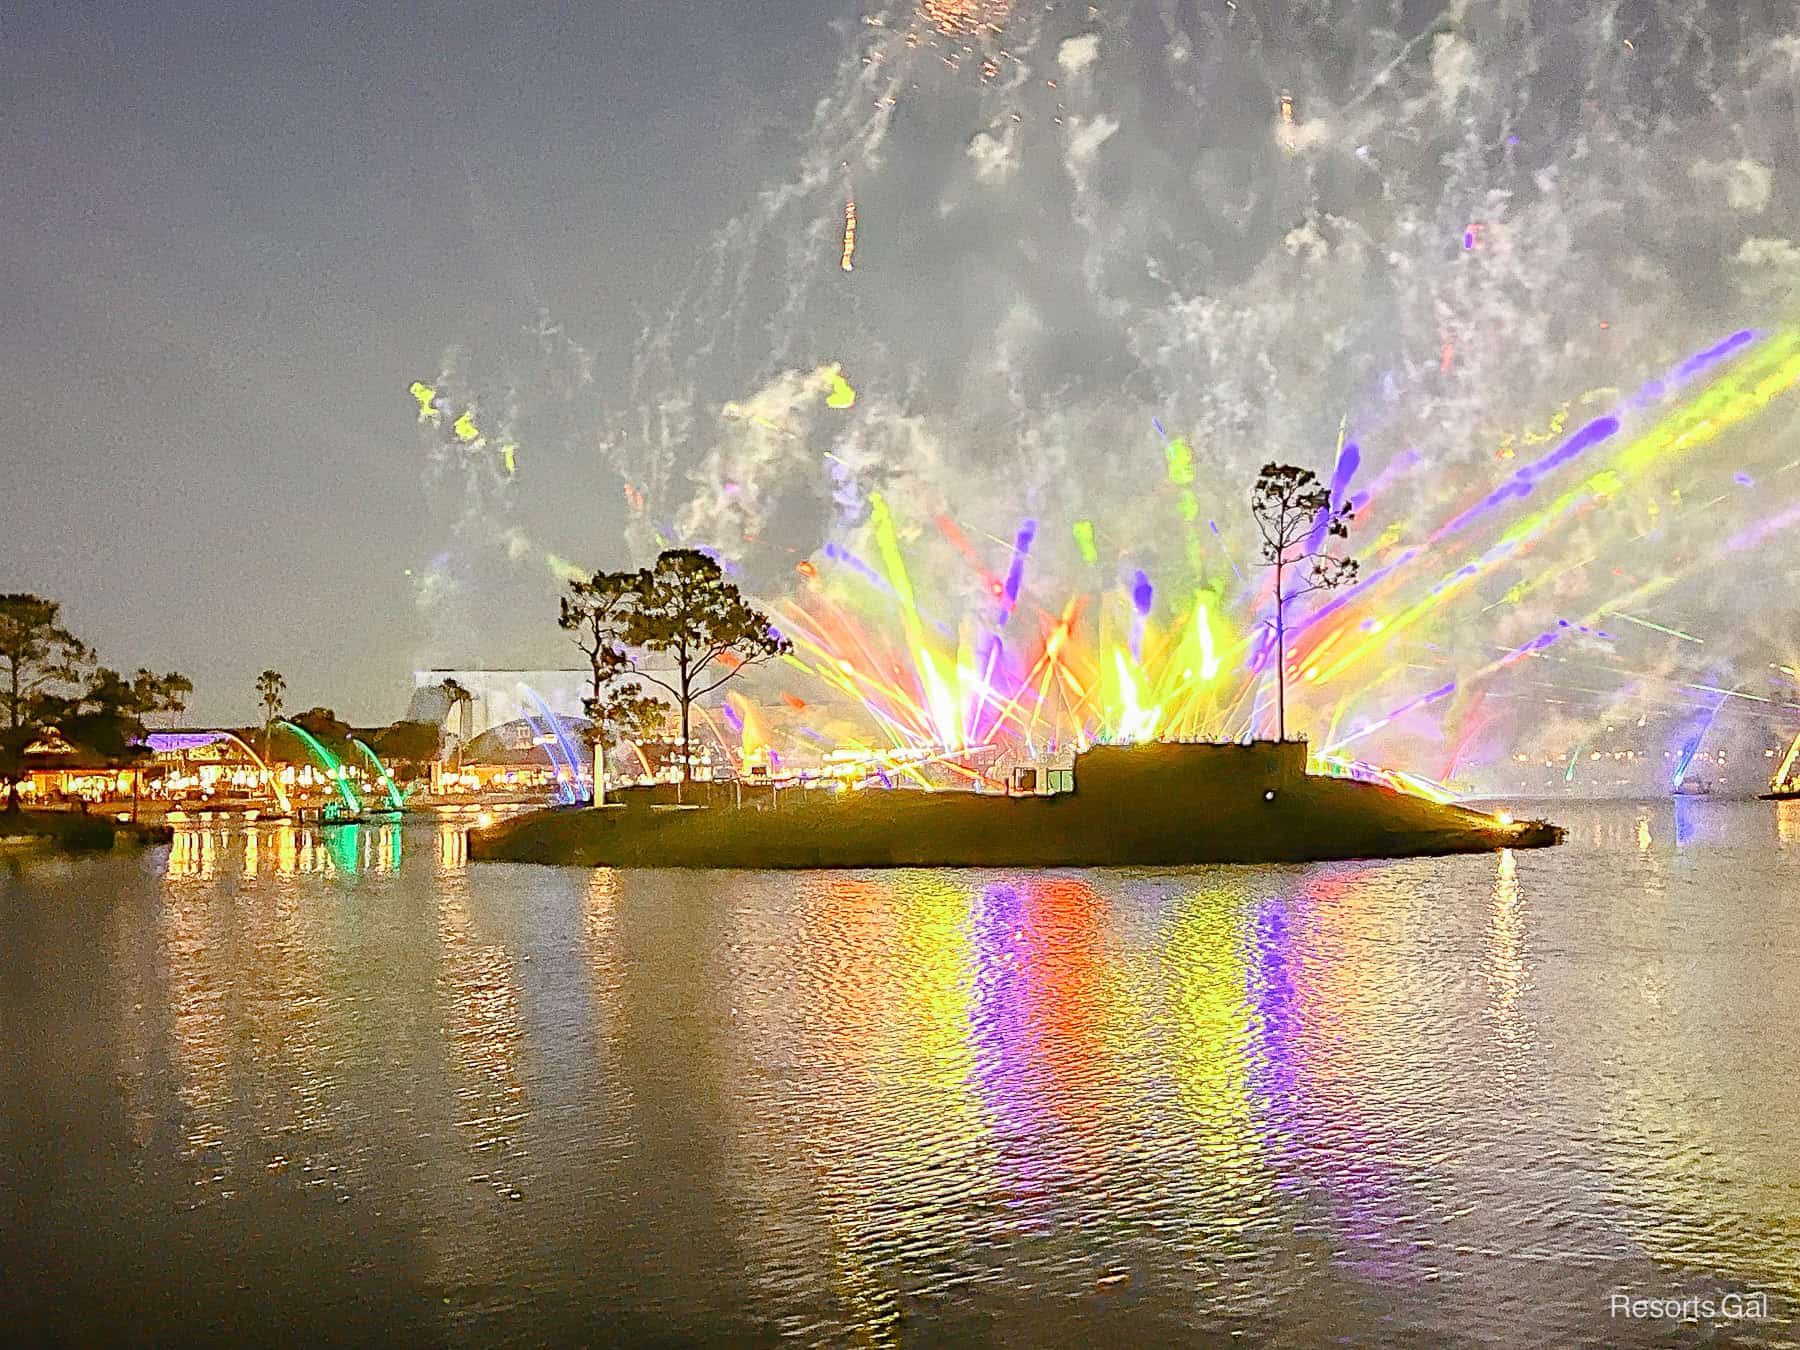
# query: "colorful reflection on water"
[1291,1103]
[285,849]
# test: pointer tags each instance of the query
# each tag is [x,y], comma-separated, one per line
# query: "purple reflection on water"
[1302,1080]
[1007,1065]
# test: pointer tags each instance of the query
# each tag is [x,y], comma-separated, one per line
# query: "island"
[1150,805]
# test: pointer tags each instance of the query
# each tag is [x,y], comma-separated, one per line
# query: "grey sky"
[233,239]
[231,234]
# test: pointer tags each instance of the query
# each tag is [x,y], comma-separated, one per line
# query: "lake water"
[333,1086]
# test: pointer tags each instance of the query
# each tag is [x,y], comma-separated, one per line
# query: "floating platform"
[1157,805]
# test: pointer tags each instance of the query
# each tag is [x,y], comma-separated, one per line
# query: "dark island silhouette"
[1153,805]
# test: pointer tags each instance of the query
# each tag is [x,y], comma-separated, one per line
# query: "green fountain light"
[334,769]
[395,798]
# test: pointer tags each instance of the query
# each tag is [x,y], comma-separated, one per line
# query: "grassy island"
[1147,805]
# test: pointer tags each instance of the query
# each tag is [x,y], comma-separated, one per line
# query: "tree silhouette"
[108,715]
[460,697]
[407,742]
[686,611]
[597,614]
[271,689]
[326,727]
[1293,511]
[38,657]
[47,686]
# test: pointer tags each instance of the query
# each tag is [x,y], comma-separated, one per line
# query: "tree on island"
[47,687]
[1293,511]
[597,615]
[271,690]
[621,712]
[687,612]
[458,697]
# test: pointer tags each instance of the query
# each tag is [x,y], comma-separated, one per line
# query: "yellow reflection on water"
[1505,944]
[883,995]
[606,966]
[194,853]
[1506,961]
[453,845]
[1210,1016]
[247,1004]
[1208,1033]
[480,996]
[937,973]
[192,933]
[283,1027]
[1787,824]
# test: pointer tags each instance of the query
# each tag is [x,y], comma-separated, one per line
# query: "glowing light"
[1142,594]
[168,742]
[1181,461]
[567,787]
[1015,574]
[1655,627]
[966,17]
[427,397]
[1008,664]
[1784,779]
[465,430]
[1084,541]
[395,799]
[335,772]
[840,395]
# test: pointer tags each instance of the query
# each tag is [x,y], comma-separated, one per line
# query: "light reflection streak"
[1787,824]
[282,1029]
[1506,976]
[480,1000]
[1313,1035]
[1210,1018]
[885,999]
[606,966]
[188,940]
[1039,1009]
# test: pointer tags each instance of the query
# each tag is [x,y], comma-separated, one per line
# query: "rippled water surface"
[333,1086]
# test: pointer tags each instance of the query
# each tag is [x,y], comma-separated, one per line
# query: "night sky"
[234,233]
[1448,235]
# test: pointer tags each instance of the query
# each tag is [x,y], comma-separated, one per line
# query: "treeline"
[53,688]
